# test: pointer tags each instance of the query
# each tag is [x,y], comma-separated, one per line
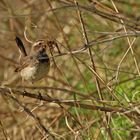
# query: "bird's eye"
[40,43]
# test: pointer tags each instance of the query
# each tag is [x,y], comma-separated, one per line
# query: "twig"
[90,52]
[36,118]
[6,91]
[129,43]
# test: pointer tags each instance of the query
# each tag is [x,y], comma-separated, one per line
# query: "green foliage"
[120,127]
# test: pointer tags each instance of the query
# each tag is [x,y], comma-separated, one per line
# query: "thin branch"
[36,118]
[6,91]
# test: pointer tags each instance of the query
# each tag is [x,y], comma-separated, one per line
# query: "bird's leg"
[56,45]
[53,44]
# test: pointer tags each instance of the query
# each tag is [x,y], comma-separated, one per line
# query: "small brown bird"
[36,65]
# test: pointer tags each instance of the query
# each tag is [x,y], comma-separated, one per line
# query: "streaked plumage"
[34,66]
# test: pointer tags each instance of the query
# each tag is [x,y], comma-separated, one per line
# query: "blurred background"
[92,88]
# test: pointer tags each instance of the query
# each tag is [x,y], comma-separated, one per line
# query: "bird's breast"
[37,72]
[28,73]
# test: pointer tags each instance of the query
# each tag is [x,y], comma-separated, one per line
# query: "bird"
[35,65]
